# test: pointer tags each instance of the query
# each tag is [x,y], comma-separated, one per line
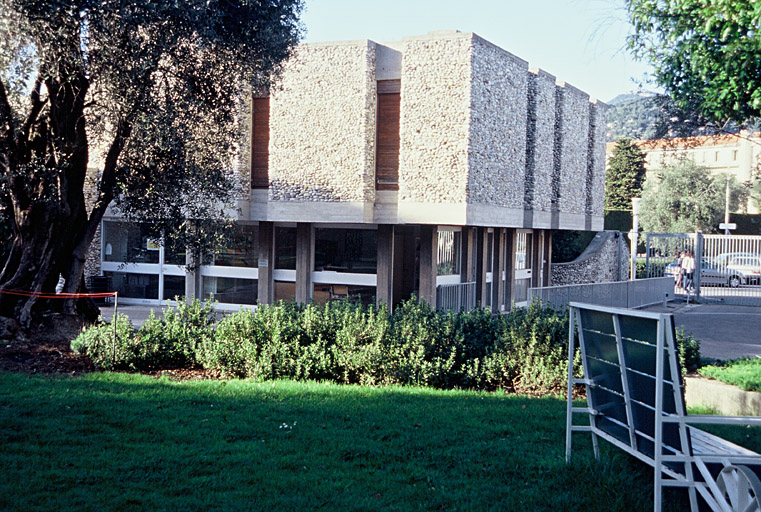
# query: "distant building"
[735,154]
[437,166]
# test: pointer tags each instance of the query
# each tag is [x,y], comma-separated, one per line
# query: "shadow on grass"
[116,441]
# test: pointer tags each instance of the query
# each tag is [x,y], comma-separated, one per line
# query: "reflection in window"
[346,250]
[448,261]
[285,248]
[323,293]
[243,250]
[129,242]
[174,286]
[231,290]
[522,251]
[136,286]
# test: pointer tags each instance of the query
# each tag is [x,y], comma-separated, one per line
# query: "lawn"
[108,441]
[744,373]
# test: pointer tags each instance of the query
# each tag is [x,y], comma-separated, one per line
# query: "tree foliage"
[625,175]
[683,197]
[705,53]
[138,102]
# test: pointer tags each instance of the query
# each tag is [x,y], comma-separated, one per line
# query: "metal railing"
[624,294]
[456,297]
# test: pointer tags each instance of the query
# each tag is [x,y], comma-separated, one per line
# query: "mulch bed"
[47,350]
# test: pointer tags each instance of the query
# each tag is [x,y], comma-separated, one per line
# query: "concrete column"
[266,264]
[510,247]
[537,246]
[384,291]
[304,261]
[547,267]
[498,266]
[480,265]
[428,260]
[467,255]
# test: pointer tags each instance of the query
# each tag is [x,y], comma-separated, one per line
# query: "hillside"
[632,115]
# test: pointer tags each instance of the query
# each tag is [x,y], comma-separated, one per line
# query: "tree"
[146,96]
[706,54]
[683,197]
[625,175]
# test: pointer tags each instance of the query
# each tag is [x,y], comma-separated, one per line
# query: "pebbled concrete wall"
[606,259]
[322,125]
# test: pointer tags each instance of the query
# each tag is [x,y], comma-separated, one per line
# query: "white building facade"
[435,166]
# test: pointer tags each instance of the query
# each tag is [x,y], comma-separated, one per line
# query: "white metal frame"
[730,456]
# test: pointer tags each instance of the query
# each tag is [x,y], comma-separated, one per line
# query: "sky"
[581,42]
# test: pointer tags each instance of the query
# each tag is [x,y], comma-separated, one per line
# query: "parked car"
[748,266]
[725,257]
[712,273]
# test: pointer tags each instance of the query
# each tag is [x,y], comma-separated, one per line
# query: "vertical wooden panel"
[387,151]
[260,143]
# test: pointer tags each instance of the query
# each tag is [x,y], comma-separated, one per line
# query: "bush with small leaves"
[110,346]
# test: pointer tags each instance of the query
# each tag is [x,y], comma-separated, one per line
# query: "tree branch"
[37,104]
[6,117]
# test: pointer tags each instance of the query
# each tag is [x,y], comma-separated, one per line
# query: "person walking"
[679,271]
[688,264]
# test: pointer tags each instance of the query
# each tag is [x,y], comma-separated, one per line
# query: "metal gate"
[727,268]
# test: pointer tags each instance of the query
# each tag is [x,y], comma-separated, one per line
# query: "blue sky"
[581,42]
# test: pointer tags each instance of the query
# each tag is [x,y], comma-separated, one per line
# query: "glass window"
[243,250]
[523,251]
[175,256]
[285,248]
[129,242]
[231,290]
[448,262]
[136,286]
[174,286]
[346,250]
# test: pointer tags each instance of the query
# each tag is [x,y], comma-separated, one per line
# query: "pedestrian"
[679,271]
[688,264]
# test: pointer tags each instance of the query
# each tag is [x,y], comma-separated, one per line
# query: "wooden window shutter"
[260,143]
[387,151]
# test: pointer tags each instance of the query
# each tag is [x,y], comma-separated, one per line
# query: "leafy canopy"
[625,175]
[683,197]
[146,94]
[705,53]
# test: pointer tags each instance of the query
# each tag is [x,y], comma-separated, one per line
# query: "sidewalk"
[725,332]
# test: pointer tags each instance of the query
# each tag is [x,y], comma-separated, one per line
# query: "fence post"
[698,262]
[113,323]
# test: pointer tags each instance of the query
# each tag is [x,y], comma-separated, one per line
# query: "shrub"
[689,351]
[531,351]
[98,343]
[183,327]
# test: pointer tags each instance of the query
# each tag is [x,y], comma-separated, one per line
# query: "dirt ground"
[47,350]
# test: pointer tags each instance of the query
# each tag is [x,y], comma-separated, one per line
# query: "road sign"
[730,225]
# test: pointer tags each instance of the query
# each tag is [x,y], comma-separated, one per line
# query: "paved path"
[725,332]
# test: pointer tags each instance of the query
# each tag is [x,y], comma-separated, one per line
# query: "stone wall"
[483,140]
[497,138]
[606,259]
[540,130]
[322,125]
[435,118]
[572,127]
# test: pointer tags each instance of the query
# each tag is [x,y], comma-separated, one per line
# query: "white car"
[748,266]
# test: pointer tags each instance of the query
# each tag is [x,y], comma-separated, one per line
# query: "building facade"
[738,155]
[434,166]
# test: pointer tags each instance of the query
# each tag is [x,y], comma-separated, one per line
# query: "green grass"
[108,441]
[743,373]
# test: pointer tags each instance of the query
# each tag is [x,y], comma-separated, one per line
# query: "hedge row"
[345,342]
